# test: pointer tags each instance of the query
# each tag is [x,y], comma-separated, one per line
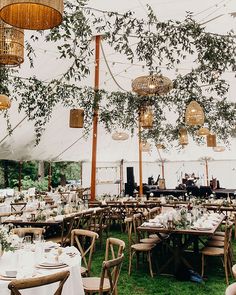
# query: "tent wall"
[109,173]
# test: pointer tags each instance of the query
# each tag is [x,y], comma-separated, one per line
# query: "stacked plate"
[8,275]
[51,265]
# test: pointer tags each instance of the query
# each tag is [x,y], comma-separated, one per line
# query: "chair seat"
[219,233]
[163,236]
[150,240]
[143,247]
[83,270]
[218,238]
[215,243]
[212,251]
[92,284]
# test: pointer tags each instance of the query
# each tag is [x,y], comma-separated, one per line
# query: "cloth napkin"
[70,256]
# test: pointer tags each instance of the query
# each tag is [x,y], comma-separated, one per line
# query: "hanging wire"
[109,69]
[70,146]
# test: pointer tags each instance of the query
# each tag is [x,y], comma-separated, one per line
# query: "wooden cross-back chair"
[99,222]
[65,236]
[116,214]
[135,246]
[15,285]
[222,252]
[81,237]
[114,248]
[20,206]
[108,281]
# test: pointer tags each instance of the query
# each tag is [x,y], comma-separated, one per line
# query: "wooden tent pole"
[49,176]
[121,175]
[207,173]
[95,119]
[140,159]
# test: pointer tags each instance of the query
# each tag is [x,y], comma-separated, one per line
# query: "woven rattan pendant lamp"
[76,118]
[120,136]
[5,102]
[152,85]
[146,117]
[211,140]
[194,114]
[32,14]
[11,45]
[183,136]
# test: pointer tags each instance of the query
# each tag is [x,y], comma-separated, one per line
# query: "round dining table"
[32,263]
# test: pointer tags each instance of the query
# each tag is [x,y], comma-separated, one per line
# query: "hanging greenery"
[157,44]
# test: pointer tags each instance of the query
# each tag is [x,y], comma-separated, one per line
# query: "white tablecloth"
[73,285]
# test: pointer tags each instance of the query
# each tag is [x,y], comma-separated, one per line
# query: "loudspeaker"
[129,189]
[130,175]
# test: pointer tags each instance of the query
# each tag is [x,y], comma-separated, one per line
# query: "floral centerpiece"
[5,240]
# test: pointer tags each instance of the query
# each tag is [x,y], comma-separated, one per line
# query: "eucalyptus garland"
[157,44]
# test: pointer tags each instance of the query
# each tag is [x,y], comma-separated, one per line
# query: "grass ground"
[140,281]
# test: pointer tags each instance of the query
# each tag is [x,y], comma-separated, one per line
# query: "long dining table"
[179,241]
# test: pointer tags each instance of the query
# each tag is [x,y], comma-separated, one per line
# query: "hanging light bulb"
[183,136]
[5,102]
[146,117]
[32,14]
[194,114]
[120,136]
[211,140]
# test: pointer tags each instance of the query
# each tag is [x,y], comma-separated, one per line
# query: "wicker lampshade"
[76,118]
[160,146]
[120,136]
[194,114]
[5,102]
[219,148]
[32,14]
[203,130]
[146,117]
[153,84]
[146,147]
[211,140]
[11,45]
[183,136]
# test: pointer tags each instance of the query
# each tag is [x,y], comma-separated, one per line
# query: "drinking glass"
[27,242]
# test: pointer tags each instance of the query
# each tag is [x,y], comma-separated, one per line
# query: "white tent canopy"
[60,143]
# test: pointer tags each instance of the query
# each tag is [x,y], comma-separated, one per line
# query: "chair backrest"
[22,231]
[67,226]
[228,236]
[137,221]
[15,285]
[81,236]
[114,248]
[154,212]
[111,270]
[20,206]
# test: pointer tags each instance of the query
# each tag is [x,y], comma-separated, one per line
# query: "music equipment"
[130,175]
[162,183]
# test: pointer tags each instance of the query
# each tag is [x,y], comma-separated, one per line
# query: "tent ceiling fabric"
[58,137]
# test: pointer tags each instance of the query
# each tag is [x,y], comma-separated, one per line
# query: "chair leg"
[202,265]
[130,261]
[226,270]
[150,263]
